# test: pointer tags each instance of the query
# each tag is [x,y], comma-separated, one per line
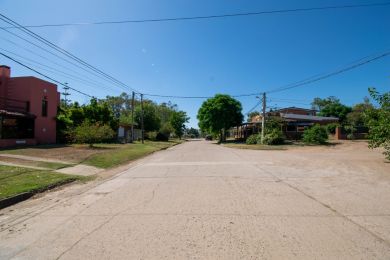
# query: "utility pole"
[66,94]
[142,117]
[132,116]
[263,119]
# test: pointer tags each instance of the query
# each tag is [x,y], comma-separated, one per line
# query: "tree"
[91,133]
[193,133]
[378,122]
[251,115]
[356,116]
[331,106]
[320,103]
[177,121]
[151,120]
[71,116]
[119,104]
[218,114]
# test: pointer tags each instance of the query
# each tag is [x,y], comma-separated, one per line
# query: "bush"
[162,137]
[315,135]
[331,128]
[252,139]
[274,137]
[350,129]
[151,135]
[92,133]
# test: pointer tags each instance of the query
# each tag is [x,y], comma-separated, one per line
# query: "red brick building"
[28,108]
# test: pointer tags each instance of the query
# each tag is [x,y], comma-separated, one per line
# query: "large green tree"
[177,121]
[73,115]
[151,120]
[120,105]
[378,121]
[218,114]
[331,106]
[193,133]
[357,116]
[320,103]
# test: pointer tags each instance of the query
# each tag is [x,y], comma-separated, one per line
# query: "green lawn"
[114,155]
[52,165]
[16,180]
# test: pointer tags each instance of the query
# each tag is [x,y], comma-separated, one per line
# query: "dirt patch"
[81,169]
[32,163]
[73,154]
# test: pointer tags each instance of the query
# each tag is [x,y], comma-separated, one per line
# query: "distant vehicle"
[209,137]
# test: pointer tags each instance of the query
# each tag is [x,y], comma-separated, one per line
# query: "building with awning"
[294,121]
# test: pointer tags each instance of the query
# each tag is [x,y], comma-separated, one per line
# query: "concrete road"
[202,201]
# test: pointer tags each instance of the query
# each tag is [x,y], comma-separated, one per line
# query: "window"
[16,127]
[44,107]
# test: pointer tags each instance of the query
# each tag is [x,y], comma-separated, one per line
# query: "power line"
[209,16]
[56,71]
[254,107]
[197,97]
[57,56]
[328,75]
[289,102]
[56,63]
[360,62]
[48,77]
[61,50]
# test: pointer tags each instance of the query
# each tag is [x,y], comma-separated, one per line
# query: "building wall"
[35,91]
[16,142]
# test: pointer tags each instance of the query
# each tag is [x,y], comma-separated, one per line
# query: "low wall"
[16,142]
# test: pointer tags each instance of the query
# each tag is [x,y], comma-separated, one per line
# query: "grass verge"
[124,153]
[17,180]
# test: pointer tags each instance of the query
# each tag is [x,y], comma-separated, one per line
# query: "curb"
[26,195]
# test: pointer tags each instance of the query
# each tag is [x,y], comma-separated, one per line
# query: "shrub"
[350,129]
[272,123]
[274,137]
[162,137]
[252,139]
[315,135]
[92,133]
[151,135]
[331,128]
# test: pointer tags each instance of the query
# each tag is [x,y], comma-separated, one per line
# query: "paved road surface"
[202,201]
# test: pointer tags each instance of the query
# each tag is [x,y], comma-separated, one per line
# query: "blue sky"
[205,57]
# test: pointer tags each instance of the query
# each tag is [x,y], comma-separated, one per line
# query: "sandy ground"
[199,200]
[65,154]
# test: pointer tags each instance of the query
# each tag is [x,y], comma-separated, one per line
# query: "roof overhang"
[16,114]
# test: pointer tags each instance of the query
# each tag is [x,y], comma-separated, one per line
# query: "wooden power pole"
[132,116]
[142,117]
[263,119]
